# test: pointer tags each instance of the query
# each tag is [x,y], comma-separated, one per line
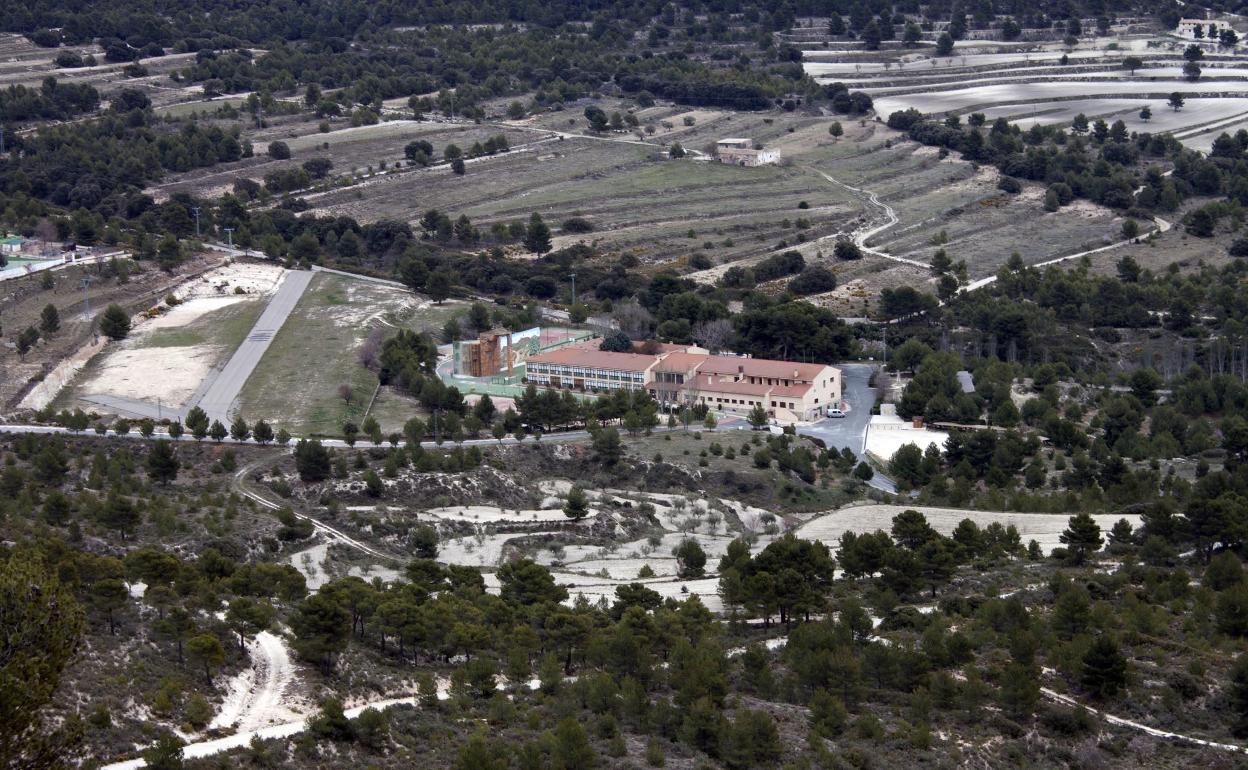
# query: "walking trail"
[257,697]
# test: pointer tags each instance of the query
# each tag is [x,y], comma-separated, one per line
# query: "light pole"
[573,295]
[229,234]
[195,211]
[86,299]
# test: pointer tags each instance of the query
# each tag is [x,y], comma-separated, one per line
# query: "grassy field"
[295,386]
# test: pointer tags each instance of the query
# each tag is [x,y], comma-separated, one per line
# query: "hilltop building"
[12,245]
[687,375]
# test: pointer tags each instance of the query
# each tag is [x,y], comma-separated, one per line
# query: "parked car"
[834,412]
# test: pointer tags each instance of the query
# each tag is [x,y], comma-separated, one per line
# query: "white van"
[834,412]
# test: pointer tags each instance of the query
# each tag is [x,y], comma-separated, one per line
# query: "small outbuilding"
[12,244]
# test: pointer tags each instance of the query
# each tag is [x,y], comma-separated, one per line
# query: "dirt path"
[1161,225]
[257,697]
[331,534]
[866,232]
[1066,700]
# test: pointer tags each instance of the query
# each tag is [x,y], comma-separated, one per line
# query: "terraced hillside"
[1049,83]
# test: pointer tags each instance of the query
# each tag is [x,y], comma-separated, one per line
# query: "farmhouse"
[686,375]
[741,152]
[1208,28]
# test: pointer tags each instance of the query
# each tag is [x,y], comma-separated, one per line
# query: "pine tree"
[239,430]
[263,432]
[217,431]
[537,235]
[577,505]
[312,461]
[691,559]
[197,421]
[49,319]
[44,625]
[1082,537]
[1104,668]
[115,323]
[162,462]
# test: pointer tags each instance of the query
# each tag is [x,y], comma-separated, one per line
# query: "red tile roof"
[761,367]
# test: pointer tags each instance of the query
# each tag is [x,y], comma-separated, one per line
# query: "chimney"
[795,374]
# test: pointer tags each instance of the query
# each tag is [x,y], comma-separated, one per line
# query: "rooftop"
[760,367]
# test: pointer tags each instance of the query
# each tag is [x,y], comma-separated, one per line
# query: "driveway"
[850,430]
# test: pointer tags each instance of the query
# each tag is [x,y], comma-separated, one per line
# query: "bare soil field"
[295,386]
[23,299]
[1042,527]
[1050,83]
[167,358]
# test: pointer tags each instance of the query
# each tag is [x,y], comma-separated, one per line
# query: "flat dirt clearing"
[1044,528]
[167,358]
[22,299]
[296,384]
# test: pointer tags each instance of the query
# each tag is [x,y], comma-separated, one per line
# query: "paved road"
[129,407]
[221,394]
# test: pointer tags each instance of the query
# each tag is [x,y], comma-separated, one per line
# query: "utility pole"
[573,292]
[86,298]
[195,211]
[1,140]
[229,234]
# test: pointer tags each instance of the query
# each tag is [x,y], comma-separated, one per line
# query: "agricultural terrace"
[22,63]
[1111,78]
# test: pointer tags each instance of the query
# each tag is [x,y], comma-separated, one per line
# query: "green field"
[296,384]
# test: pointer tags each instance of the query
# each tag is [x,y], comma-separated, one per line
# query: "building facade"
[1210,29]
[741,152]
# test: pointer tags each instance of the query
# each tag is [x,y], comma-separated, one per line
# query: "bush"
[813,280]
[279,150]
[1009,184]
[847,250]
[903,120]
[577,225]
[788,263]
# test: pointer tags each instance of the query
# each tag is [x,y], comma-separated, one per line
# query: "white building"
[1210,29]
[741,152]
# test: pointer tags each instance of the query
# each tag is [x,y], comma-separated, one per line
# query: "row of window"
[582,372]
[567,382]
